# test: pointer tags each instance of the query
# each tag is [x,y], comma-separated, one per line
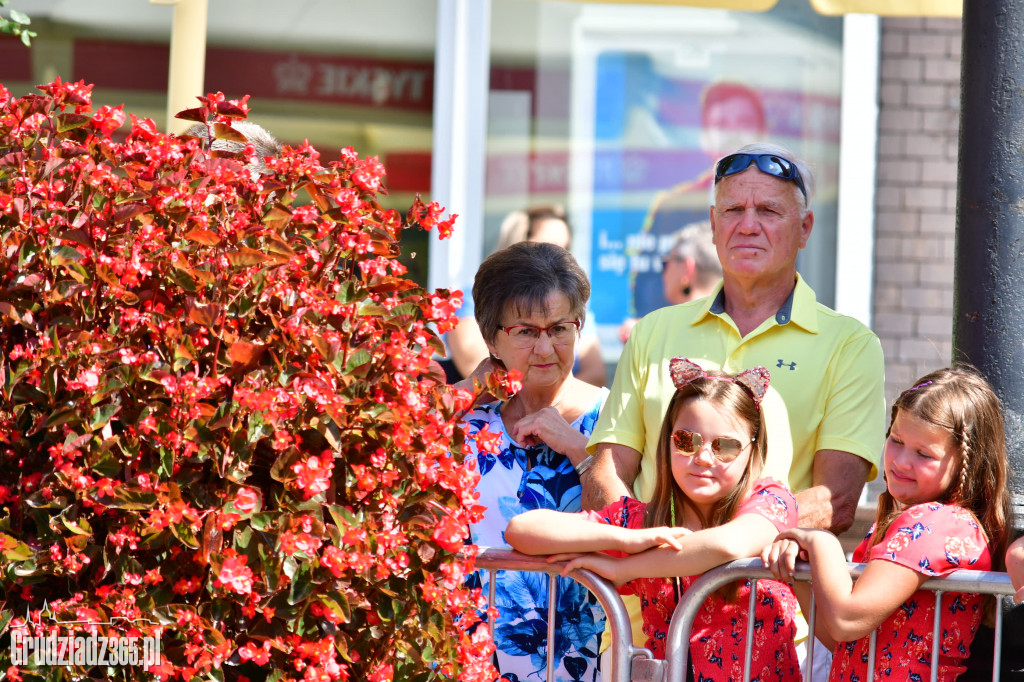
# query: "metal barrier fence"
[623,652]
[632,664]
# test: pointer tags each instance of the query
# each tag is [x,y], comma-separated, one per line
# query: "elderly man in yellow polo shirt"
[826,408]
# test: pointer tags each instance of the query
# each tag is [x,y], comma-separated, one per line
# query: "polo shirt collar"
[799,308]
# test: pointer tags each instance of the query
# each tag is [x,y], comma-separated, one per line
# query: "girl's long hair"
[961,401]
[731,398]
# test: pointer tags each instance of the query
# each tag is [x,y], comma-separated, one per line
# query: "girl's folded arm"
[705,549]
[544,531]
[850,610]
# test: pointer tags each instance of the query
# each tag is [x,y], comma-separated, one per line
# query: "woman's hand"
[780,556]
[547,426]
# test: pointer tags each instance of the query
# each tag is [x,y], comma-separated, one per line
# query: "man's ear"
[805,228]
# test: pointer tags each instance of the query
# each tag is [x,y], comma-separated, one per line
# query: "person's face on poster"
[730,124]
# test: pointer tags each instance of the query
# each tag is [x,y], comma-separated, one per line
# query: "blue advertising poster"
[657,133]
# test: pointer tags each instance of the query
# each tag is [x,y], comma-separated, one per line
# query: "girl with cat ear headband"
[710,506]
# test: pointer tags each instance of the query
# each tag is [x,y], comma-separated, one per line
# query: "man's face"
[758,226]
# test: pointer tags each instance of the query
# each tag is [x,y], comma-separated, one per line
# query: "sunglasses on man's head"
[724,449]
[772,164]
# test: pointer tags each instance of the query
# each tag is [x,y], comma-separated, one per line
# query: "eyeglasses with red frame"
[526,335]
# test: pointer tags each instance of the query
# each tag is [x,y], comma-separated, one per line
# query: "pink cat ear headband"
[755,380]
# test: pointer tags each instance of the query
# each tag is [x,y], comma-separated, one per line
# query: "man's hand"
[611,476]
[831,502]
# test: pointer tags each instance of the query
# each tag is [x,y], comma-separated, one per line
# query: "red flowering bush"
[218,423]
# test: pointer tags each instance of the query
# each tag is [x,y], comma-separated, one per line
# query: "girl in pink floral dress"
[709,507]
[946,507]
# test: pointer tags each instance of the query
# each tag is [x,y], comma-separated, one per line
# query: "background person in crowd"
[689,270]
[710,506]
[258,136]
[466,347]
[531,303]
[825,413]
[946,507]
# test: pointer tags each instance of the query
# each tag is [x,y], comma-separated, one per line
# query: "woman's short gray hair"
[779,150]
[520,277]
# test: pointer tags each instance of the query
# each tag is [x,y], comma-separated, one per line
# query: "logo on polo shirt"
[783,363]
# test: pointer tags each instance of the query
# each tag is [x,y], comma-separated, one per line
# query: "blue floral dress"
[517,480]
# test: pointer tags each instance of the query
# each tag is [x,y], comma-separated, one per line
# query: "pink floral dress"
[933,539]
[718,637]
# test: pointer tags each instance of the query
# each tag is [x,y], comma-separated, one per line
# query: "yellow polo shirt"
[826,390]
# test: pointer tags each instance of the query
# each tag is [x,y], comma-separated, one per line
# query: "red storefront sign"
[380,83]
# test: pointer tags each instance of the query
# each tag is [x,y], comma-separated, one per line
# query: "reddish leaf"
[205,314]
[203,237]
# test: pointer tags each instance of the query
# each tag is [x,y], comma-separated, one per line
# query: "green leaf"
[13,549]
[337,603]
[62,255]
[78,527]
[301,585]
[183,532]
[358,359]
[20,18]
[262,521]
[124,497]
[69,121]
[101,415]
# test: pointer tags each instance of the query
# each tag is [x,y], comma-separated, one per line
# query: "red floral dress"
[718,637]
[933,539]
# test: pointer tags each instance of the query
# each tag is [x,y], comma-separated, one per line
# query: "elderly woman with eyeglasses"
[530,304]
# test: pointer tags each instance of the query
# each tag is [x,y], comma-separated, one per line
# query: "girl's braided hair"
[961,401]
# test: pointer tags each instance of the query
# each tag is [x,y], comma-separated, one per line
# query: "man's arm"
[831,502]
[611,475]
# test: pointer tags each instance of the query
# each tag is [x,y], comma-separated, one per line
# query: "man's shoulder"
[673,315]
[833,322]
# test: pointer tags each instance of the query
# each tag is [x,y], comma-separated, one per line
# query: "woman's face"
[544,364]
[702,476]
[550,230]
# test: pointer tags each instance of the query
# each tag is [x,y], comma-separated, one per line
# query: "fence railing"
[677,644]
[633,664]
[624,654]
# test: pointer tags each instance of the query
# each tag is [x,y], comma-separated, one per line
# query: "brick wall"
[916,198]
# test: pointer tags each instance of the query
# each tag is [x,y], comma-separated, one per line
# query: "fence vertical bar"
[936,643]
[492,577]
[871,656]
[748,650]
[997,645]
[808,674]
[552,604]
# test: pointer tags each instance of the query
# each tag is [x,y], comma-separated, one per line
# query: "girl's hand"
[607,567]
[1018,596]
[780,556]
[547,426]
[636,540]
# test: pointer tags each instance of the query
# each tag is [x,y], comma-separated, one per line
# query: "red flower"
[235,575]
[108,119]
[247,500]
